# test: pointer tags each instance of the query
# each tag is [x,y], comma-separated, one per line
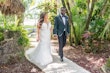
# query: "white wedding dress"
[42,53]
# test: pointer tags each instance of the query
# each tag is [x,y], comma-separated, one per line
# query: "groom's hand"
[68,36]
[55,36]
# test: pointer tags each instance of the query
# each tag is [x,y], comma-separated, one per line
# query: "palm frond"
[105,32]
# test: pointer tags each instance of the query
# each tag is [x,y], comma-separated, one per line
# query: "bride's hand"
[38,39]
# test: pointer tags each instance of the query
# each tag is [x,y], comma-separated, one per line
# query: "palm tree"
[91,3]
[8,7]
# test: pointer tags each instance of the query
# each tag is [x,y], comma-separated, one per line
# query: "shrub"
[1,36]
[15,32]
[108,63]
[23,38]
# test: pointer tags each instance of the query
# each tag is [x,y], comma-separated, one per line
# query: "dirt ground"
[22,66]
[89,61]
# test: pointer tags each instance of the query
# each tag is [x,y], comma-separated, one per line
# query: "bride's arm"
[38,32]
[51,29]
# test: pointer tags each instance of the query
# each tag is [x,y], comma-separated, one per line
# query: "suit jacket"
[59,26]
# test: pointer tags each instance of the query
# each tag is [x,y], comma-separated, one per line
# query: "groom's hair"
[63,7]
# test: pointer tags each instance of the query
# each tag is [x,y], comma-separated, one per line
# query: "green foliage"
[2,0]
[108,63]
[13,31]
[19,32]
[11,27]
[23,39]
[1,33]
[1,36]
[105,34]
[96,27]
[7,20]
[78,18]
[81,4]
[1,28]
[79,30]
[49,7]
[99,24]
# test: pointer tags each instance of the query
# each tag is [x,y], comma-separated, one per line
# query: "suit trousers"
[62,42]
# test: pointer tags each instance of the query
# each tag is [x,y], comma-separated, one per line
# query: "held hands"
[55,36]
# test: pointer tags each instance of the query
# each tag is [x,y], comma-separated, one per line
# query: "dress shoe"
[61,59]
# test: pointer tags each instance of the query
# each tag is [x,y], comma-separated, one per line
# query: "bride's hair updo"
[41,19]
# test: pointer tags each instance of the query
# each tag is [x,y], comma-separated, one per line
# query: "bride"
[42,53]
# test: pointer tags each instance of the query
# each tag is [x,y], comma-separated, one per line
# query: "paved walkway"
[59,67]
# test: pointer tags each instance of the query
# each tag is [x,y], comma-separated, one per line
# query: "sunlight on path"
[61,67]
[56,66]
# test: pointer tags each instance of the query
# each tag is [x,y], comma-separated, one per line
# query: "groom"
[61,30]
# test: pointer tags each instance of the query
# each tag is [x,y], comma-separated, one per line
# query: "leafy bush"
[78,18]
[106,67]
[11,27]
[16,32]
[23,39]
[1,29]
[1,33]
[1,36]
[108,63]
[96,27]
[49,7]
[106,32]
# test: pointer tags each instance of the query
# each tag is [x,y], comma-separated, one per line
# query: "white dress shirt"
[64,20]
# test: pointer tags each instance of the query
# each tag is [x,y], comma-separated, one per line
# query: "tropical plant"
[105,34]
[10,30]
[77,17]
[49,7]
[23,37]
[108,63]
[96,27]
[9,7]
[79,26]
[1,36]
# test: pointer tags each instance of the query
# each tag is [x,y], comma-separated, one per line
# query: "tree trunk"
[103,9]
[63,3]
[88,6]
[19,19]
[90,15]
[66,4]
[72,28]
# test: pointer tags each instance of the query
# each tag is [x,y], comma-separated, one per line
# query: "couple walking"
[42,53]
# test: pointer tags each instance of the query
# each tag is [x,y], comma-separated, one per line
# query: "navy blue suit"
[62,30]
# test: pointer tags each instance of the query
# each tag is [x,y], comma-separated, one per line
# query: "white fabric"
[42,53]
[63,20]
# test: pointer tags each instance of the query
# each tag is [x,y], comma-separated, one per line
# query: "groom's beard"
[63,13]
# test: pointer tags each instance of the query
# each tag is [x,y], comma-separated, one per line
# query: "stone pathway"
[56,66]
